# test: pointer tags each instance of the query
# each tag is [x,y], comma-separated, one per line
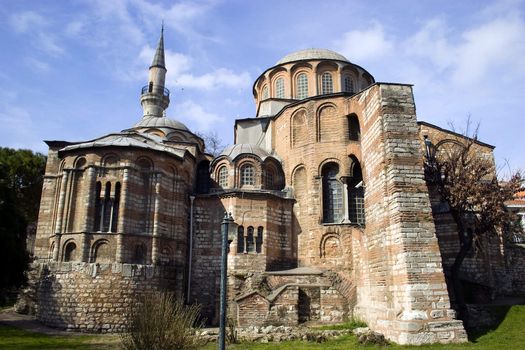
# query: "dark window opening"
[250,246]
[356,194]
[240,239]
[259,240]
[203,177]
[354,131]
[332,194]
[70,252]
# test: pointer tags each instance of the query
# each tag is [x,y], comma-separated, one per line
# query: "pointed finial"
[158,60]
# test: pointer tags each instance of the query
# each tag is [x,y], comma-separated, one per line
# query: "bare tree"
[212,141]
[466,180]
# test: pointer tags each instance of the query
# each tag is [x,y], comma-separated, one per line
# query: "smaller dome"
[160,122]
[234,151]
[312,54]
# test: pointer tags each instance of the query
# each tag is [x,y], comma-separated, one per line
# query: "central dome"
[312,54]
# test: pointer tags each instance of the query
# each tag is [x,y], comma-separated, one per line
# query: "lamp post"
[227,231]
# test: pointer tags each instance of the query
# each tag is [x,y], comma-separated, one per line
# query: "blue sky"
[72,70]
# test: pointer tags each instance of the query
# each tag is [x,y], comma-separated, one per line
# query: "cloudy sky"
[72,70]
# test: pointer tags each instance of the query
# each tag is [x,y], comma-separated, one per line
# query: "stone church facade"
[325,184]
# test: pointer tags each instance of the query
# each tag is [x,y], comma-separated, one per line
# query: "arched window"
[114,218]
[250,244]
[265,93]
[247,175]
[332,194]
[327,86]
[223,176]
[259,240]
[354,131]
[356,194]
[107,210]
[240,239]
[269,179]
[98,206]
[101,252]
[302,86]
[348,84]
[70,250]
[279,88]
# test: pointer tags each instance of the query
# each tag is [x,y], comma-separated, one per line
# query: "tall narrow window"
[259,240]
[279,88]
[332,194]
[250,244]
[98,207]
[354,131]
[327,86]
[247,175]
[265,93]
[356,194]
[269,179]
[302,86]
[139,255]
[240,239]
[107,208]
[223,176]
[348,84]
[116,200]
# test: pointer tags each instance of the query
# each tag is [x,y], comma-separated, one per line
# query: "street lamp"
[228,232]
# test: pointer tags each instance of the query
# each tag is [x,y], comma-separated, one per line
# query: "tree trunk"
[466,241]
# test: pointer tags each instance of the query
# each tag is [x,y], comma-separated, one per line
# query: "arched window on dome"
[223,176]
[327,85]
[265,93]
[247,175]
[348,84]
[332,194]
[302,86]
[279,88]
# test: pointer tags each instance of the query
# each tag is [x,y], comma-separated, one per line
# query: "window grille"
[247,175]
[302,86]
[279,88]
[327,86]
[223,176]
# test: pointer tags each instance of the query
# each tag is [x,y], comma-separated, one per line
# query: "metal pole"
[224,252]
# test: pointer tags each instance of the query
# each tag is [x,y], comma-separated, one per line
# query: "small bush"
[160,322]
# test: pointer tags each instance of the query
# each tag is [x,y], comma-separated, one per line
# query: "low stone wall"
[96,297]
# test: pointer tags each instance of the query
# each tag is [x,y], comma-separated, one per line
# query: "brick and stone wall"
[97,297]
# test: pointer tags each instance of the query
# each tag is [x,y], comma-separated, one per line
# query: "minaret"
[155,98]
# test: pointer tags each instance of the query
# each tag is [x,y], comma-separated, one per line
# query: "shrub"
[161,322]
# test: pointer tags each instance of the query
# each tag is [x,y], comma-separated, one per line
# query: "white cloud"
[36,64]
[48,44]
[221,77]
[23,21]
[362,45]
[179,72]
[195,114]
[496,46]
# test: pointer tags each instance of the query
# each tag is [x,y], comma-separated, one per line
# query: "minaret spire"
[155,98]
[158,59]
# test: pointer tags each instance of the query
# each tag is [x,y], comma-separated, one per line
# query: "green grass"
[14,338]
[509,335]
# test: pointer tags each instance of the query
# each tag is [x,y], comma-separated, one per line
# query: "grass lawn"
[509,335]
[14,338]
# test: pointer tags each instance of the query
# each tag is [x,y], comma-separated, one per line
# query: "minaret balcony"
[155,89]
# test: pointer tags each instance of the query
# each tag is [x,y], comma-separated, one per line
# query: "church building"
[326,187]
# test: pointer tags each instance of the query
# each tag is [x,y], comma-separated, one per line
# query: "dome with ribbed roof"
[236,150]
[312,54]
[160,122]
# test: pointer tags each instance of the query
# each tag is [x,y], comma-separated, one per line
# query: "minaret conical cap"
[158,60]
